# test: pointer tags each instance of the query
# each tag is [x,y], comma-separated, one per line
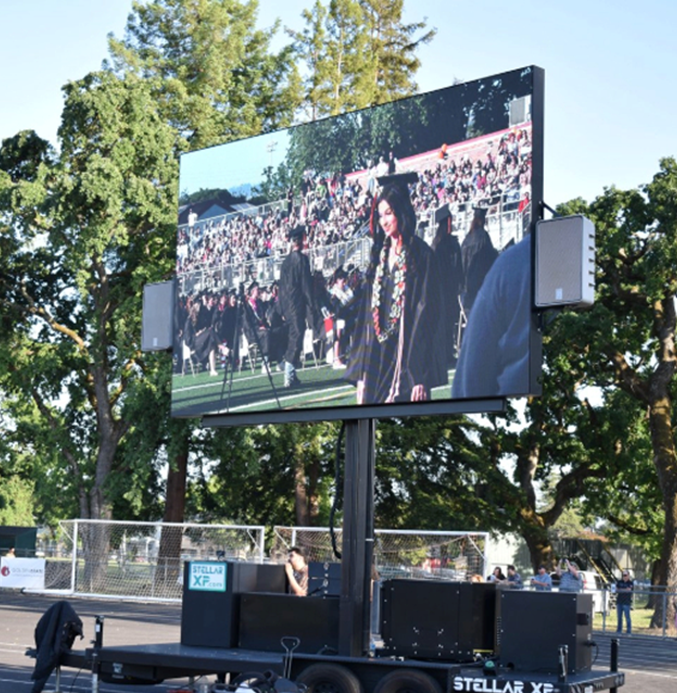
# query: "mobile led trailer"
[431,315]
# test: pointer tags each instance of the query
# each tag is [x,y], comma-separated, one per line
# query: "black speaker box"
[532,626]
[267,618]
[437,620]
[211,618]
[324,579]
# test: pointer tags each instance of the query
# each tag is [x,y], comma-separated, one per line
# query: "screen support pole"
[358,538]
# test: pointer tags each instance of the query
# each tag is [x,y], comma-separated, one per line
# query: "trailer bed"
[163,661]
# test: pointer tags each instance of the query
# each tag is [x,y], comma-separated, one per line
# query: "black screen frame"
[436,407]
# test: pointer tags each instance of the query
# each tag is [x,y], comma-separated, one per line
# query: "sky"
[610,96]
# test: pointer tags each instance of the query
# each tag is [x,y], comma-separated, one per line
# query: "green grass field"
[247,390]
[641,620]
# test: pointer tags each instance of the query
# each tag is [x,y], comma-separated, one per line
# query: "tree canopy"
[85,225]
[357,53]
[89,228]
[210,69]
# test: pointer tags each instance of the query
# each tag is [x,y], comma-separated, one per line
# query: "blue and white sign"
[207,576]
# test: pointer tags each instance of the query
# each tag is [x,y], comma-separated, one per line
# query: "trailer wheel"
[408,681]
[329,678]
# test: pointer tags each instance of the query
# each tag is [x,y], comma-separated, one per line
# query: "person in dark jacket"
[495,351]
[624,590]
[447,250]
[54,636]
[296,301]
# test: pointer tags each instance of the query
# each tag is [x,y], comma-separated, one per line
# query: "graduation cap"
[480,212]
[252,286]
[400,179]
[442,213]
[296,232]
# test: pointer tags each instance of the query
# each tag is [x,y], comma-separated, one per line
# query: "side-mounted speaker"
[565,262]
[157,321]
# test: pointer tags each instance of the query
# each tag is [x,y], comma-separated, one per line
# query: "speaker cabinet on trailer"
[437,620]
[324,579]
[532,626]
[211,590]
[267,618]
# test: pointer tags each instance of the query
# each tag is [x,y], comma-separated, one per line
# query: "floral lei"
[400,273]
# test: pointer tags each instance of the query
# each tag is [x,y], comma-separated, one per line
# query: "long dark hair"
[397,196]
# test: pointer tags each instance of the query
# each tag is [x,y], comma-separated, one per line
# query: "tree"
[430,474]
[87,231]
[16,502]
[267,475]
[212,72]
[215,79]
[565,445]
[357,53]
[310,46]
[392,49]
[627,340]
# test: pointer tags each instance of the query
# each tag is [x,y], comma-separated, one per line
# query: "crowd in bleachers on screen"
[335,209]
[331,210]
[478,179]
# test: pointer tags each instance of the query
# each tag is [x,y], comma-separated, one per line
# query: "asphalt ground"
[649,663]
[125,623]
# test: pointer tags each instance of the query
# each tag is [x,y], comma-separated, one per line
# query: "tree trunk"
[313,499]
[300,494]
[97,542]
[663,445]
[169,553]
[665,461]
[540,548]
[656,587]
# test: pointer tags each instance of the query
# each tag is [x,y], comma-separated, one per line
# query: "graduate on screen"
[399,351]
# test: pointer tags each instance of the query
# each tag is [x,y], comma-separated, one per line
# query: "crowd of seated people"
[212,324]
[466,179]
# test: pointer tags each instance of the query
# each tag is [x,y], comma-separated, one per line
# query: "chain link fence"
[141,560]
[653,610]
[397,553]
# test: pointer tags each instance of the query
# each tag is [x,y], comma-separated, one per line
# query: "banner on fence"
[22,572]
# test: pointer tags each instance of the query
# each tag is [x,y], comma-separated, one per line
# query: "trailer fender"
[408,681]
[329,678]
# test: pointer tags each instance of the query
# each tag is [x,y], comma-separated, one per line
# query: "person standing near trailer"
[624,589]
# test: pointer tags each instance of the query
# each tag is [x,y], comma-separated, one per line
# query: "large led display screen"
[371,264]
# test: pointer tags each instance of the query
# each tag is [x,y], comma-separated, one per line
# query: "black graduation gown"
[424,349]
[295,299]
[201,344]
[478,255]
[448,253]
[223,325]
